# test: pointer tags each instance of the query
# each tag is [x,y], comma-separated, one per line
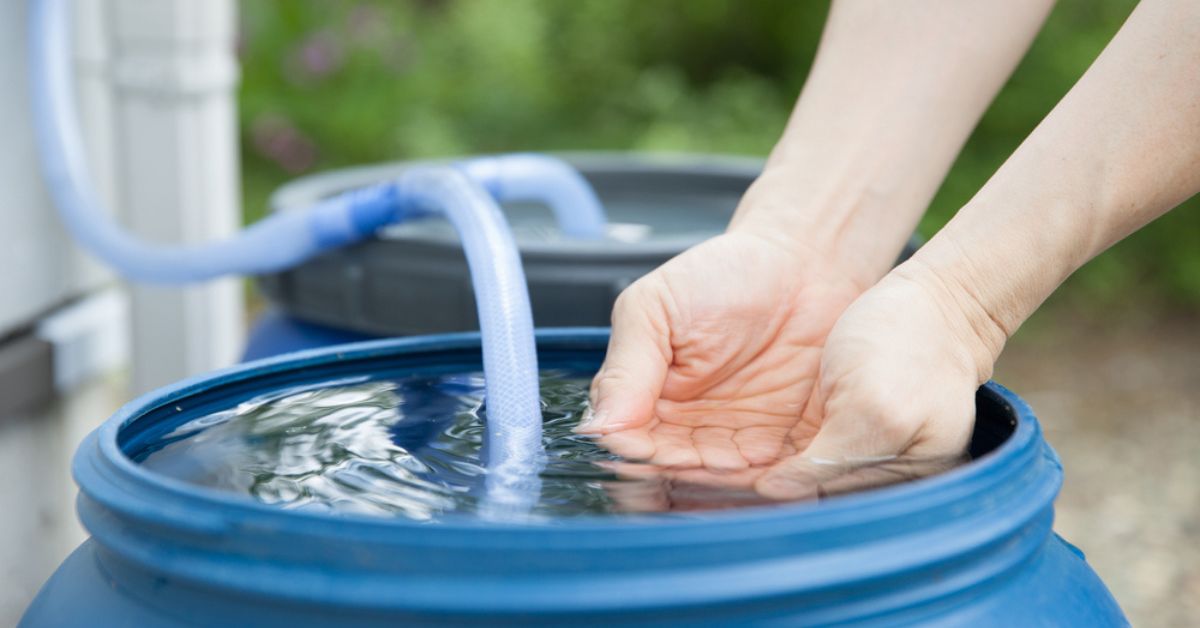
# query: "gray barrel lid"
[413,278]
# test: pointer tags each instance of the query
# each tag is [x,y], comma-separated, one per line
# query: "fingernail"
[592,420]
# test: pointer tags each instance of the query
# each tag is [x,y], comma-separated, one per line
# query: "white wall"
[173,71]
[156,80]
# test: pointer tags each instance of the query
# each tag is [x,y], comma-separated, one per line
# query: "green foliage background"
[330,84]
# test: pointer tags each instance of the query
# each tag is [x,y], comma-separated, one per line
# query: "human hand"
[897,385]
[714,355]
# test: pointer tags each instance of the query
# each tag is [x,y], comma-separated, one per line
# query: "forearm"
[1122,148]
[895,91]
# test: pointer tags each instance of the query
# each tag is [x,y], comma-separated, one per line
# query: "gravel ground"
[1120,401]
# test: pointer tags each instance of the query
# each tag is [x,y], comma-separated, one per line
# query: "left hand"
[895,398]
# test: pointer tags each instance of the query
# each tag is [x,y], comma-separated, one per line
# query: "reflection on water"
[412,448]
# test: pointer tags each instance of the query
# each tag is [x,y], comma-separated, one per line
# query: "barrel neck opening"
[974,522]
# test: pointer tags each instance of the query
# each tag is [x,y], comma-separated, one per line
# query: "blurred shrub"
[330,84]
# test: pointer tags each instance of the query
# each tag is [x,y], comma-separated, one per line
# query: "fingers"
[631,444]
[631,379]
[675,447]
[717,449]
[761,444]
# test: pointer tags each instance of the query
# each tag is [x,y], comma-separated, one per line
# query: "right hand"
[714,355]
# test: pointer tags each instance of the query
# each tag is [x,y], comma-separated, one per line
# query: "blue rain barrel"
[275,333]
[971,547]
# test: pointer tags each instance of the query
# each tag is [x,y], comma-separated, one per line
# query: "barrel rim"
[105,447]
[979,521]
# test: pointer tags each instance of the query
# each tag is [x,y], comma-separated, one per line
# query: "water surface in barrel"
[414,447]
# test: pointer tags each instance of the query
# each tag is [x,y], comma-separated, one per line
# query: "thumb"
[631,379]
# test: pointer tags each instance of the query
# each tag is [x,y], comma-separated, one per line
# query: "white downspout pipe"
[172,74]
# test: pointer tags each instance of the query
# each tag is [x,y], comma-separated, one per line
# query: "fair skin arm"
[861,157]
[714,356]
[901,366]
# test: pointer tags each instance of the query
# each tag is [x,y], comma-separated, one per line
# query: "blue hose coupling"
[357,214]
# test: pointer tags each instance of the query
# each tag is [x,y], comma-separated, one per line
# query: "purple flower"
[277,139]
[318,56]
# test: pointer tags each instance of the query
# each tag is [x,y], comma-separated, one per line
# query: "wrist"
[844,221]
[963,316]
[1006,257]
[989,277]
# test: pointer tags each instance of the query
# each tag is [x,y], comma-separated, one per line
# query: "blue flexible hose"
[277,242]
[459,192]
[514,417]
[547,180]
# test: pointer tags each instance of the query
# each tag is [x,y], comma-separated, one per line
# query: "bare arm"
[901,366]
[896,88]
[714,355]
[1122,148]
